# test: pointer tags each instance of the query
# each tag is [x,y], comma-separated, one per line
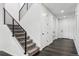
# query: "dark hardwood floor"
[59,47]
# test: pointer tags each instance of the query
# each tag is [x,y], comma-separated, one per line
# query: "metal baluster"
[25,44]
[13,27]
[19,16]
[4,15]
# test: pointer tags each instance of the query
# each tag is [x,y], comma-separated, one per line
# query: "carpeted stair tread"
[20,37]
[28,41]
[33,51]
[31,44]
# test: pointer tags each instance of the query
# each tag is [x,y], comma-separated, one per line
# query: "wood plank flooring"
[59,47]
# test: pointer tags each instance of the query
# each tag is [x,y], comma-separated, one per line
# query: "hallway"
[60,47]
[45,29]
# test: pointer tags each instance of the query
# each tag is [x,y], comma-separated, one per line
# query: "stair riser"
[14,25]
[21,39]
[30,47]
[34,52]
[28,42]
[20,29]
[16,29]
[17,35]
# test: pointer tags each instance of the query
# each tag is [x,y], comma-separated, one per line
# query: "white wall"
[1,14]
[77,29]
[13,9]
[35,23]
[77,15]
[21,4]
[70,28]
[67,27]
[48,27]
[8,43]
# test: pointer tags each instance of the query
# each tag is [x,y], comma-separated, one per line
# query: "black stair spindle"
[25,44]
[4,15]
[13,27]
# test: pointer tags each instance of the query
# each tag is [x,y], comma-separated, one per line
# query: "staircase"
[20,34]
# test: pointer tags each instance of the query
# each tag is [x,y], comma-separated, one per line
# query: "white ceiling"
[56,8]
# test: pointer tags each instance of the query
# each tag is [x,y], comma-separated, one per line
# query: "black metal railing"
[24,9]
[9,20]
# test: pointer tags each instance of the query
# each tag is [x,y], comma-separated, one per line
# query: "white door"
[67,28]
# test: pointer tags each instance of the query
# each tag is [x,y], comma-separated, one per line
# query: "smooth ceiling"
[69,9]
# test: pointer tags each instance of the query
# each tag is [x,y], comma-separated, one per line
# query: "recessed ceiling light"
[62,11]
